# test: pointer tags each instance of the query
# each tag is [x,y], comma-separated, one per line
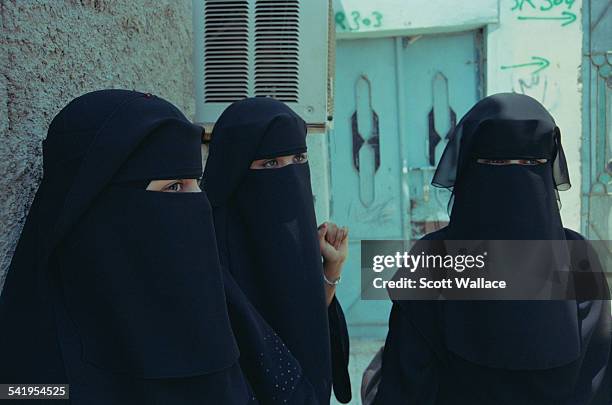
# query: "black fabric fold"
[340,348]
[275,375]
[151,315]
[419,366]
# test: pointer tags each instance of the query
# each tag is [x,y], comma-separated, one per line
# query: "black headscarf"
[267,233]
[528,352]
[114,289]
[503,126]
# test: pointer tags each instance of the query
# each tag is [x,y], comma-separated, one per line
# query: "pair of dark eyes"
[527,162]
[177,186]
[299,158]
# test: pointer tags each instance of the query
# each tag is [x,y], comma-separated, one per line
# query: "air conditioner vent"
[226,63]
[277,36]
[265,48]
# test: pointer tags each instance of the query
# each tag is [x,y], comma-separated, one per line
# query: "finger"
[332,233]
[345,239]
[340,238]
[322,231]
[339,234]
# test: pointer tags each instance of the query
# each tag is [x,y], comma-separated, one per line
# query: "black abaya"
[267,236]
[500,352]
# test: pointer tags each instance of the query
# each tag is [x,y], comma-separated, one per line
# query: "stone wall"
[55,50]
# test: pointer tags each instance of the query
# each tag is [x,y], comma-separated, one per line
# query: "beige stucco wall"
[55,50]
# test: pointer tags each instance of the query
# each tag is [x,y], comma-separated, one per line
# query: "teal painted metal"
[397,100]
[597,120]
[441,84]
[371,60]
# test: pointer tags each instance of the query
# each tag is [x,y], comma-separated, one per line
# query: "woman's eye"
[270,163]
[174,187]
[300,158]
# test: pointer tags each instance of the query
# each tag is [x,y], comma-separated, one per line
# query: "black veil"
[501,114]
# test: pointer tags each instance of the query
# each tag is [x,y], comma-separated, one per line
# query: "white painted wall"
[517,40]
[367,18]
[318,156]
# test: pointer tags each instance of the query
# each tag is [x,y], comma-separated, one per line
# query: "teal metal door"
[597,118]
[397,101]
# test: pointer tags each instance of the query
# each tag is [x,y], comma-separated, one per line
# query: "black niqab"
[267,236]
[110,289]
[536,352]
[509,202]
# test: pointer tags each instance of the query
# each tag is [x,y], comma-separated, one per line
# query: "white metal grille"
[265,48]
[226,61]
[277,31]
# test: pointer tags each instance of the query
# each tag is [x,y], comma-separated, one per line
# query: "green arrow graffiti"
[567,17]
[542,64]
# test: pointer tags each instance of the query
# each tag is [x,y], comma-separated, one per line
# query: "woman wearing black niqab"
[505,165]
[115,288]
[267,236]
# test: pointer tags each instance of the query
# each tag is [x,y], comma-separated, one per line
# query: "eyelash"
[270,163]
[526,162]
[170,189]
[301,158]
